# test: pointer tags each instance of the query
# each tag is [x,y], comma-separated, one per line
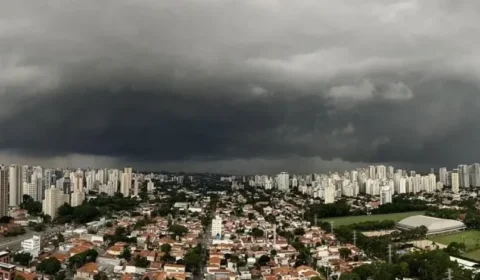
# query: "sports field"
[343,221]
[471,238]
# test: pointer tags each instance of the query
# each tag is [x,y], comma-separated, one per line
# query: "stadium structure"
[435,226]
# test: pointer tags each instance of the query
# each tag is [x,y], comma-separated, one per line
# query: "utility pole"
[316,221]
[449,274]
[331,226]
[355,238]
[389,253]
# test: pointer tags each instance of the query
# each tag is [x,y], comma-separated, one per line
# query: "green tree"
[5,220]
[177,230]
[60,238]
[344,253]
[81,259]
[22,258]
[166,248]
[192,258]
[126,253]
[49,266]
[141,261]
[263,260]
[299,231]
[256,232]
[39,227]
[349,276]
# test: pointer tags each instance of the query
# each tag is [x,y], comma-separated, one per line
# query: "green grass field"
[471,238]
[475,254]
[343,221]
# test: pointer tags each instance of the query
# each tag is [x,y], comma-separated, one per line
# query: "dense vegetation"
[428,265]
[94,208]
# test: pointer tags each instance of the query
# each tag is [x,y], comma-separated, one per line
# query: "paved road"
[14,242]
[206,240]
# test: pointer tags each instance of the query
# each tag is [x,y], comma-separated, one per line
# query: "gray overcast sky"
[242,86]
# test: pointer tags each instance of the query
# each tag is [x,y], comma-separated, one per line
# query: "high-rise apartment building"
[77,198]
[475,175]
[443,175]
[464,175]
[76,180]
[15,185]
[126,184]
[330,193]
[455,182]
[390,172]
[54,198]
[386,193]
[4,191]
[283,181]
[371,172]
[381,172]
[30,189]
[217,224]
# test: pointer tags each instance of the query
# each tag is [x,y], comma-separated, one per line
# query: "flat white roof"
[7,265]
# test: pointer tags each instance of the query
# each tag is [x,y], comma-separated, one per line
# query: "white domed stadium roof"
[434,225]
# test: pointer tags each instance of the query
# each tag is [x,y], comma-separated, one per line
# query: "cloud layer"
[220,82]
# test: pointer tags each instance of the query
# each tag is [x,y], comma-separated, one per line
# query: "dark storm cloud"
[229,82]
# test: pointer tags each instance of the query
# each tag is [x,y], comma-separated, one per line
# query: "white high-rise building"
[126,184]
[439,186]
[381,172]
[32,245]
[283,181]
[455,182]
[90,180]
[150,186]
[385,195]
[30,189]
[464,176]
[443,175]
[371,172]
[390,172]
[47,178]
[54,198]
[136,186]
[330,193]
[217,227]
[354,176]
[475,175]
[76,180]
[110,189]
[26,174]
[402,185]
[294,182]
[114,178]
[37,180]
[77,198]
[16,185]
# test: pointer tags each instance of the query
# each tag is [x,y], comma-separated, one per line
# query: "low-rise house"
[88,271]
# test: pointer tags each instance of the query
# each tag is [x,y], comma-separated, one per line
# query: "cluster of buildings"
[54,187]
[248,245]
[381,181]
